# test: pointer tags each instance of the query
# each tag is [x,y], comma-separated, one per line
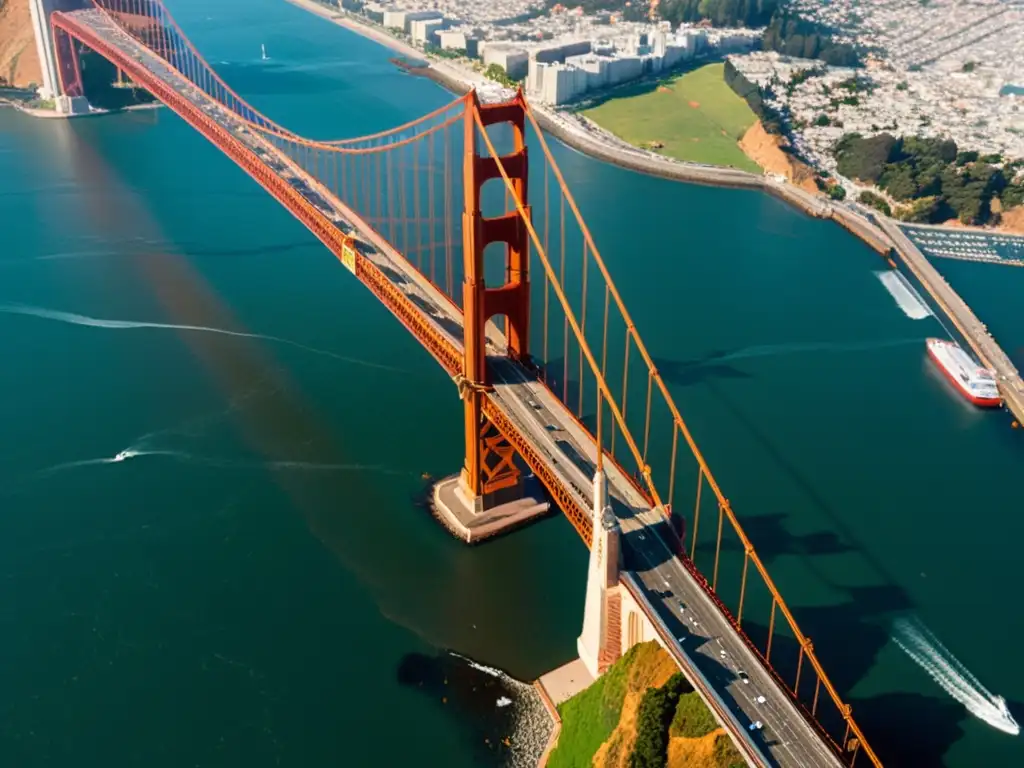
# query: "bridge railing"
[151,24]
[405,181]
[599,365]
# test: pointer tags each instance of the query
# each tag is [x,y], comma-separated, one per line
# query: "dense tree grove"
[692,718]
[800,38]
[929,176]
[861,158]
[721,13]
[654,716]
[630,11]
[749,92]
[497,73]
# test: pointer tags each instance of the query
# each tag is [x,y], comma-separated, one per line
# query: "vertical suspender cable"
[414,241]
[431,223]
[547,250]
[565,324]
[583,327]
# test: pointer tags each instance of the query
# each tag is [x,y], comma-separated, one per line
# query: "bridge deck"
[703,641]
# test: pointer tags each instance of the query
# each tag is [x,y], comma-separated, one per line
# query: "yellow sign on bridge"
[348,256]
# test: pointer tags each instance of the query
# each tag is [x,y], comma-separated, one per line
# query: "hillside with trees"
[721,13]
[800,38]
[930,180]
[641,713]
[750,93]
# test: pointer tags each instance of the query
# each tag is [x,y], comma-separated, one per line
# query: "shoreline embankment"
[879,233]
[52,114]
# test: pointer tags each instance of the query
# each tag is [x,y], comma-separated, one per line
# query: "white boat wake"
[908,299]
[124,455]
[96,322]
[59,256]
[132,453]
[918,642]
[770,350]
[492,671]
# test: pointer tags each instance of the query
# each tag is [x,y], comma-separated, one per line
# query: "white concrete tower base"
[73,105]
[40,11]
[602,575]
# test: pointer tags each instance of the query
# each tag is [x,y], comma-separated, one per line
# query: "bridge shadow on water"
[686,373]
[772,540]
[903,728]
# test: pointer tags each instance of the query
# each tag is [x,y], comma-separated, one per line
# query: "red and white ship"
[977,384]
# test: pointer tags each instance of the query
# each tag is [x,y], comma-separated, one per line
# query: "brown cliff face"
[1012,221]
[766,150]
[19,61]
[652,668]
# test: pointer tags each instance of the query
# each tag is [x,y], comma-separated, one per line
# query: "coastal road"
[702,639]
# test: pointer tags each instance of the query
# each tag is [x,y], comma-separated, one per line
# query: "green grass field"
[589,717]
[695,115]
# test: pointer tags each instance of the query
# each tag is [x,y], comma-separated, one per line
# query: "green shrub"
[726,754]
[650,750]
[692,718]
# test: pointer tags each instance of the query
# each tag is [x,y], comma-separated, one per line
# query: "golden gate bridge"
[552,371]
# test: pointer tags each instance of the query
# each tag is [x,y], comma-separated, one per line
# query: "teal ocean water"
[259,583]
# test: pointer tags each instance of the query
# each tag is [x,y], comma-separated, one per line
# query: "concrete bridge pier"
[71,106]
[475,518]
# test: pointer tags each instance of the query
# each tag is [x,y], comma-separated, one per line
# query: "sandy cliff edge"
[767,151]
[19,60]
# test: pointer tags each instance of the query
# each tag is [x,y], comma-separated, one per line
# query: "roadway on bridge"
[703,634]
[704,638]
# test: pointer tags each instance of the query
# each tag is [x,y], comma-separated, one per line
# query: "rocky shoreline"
[505,719]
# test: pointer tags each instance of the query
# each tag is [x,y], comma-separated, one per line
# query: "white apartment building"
[513,60]
[403,19]
[610,63]
[425,31]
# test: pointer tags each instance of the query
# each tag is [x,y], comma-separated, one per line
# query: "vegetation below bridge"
[641,714]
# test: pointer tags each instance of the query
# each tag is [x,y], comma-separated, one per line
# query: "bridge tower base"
[72,106]
[476,519]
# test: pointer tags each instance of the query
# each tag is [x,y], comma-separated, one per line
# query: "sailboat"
[263,49]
